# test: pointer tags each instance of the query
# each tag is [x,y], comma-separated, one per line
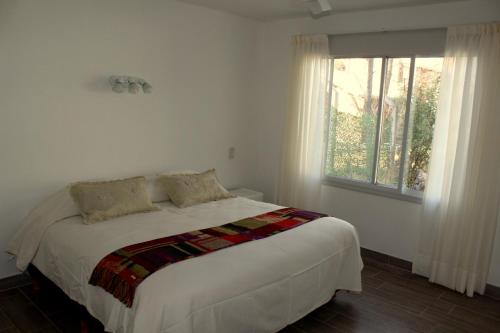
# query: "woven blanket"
[120,272]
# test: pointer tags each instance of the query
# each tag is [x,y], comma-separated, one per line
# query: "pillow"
[100,201]
[190,189]
[156,189]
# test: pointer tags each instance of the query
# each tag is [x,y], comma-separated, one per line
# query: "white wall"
[60,122]
[385,225]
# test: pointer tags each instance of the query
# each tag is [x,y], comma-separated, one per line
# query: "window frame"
[372,187]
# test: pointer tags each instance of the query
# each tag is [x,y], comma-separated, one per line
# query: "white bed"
[260,286]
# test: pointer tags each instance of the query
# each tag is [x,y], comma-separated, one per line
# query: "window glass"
[353,118]
[423,116]
[395,96]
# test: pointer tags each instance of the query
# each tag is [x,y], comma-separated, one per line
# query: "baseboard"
[14,281]
[385,259]
[492,291]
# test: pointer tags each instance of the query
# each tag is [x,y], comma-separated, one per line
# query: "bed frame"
[88,324]
[40,283]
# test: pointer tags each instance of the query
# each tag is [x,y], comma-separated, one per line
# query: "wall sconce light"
[133,87]
[120,83]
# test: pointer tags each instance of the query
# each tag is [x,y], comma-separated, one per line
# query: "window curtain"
[301,164]
[461,201]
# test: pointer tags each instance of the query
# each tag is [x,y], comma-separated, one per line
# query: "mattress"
[259,286]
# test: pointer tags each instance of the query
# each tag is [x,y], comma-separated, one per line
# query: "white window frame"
[372,187]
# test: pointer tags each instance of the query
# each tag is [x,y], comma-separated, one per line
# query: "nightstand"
[249,194]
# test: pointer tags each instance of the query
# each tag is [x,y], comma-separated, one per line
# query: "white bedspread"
[260,286]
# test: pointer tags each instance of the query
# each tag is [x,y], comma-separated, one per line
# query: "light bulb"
[133,88]
[118,87]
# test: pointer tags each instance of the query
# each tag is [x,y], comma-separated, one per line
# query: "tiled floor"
[393,300]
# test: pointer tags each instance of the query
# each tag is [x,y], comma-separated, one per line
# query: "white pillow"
[155,190]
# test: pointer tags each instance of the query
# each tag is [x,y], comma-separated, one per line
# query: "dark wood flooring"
[393,300]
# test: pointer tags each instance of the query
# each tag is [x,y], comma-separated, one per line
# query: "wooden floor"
[393,300]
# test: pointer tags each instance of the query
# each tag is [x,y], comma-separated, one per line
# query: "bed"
[259,286]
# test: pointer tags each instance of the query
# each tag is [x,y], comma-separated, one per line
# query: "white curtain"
[461,200]
[301,164]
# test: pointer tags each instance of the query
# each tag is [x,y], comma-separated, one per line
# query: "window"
[381,123]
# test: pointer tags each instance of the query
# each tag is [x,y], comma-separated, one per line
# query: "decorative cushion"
[100,201]
[156,190]
[190,189]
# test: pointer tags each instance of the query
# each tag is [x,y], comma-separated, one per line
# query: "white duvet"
[259,286]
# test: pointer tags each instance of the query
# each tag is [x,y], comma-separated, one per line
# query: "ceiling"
[269,10]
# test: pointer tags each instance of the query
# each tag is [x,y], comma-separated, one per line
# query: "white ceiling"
[268,10]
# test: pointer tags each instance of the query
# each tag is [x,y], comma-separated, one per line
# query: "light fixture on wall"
[319,7]
[120,83]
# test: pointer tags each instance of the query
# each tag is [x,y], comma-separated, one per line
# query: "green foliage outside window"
[351,144]
[426,100]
